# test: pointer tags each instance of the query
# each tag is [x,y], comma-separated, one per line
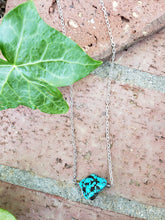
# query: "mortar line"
[132,77]
[70,191]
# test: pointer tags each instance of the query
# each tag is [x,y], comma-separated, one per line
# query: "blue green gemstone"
[92,185]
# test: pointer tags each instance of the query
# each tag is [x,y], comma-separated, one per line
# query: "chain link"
[108,140]
[73,137]
[61,16]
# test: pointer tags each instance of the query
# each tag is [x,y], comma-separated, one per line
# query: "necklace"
[93,184]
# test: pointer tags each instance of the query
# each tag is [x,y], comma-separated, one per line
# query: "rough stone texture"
[31,205]
[130,21]
[41,143]
[147,55]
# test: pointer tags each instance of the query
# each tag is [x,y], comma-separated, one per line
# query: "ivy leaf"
[38,60]
[5,215]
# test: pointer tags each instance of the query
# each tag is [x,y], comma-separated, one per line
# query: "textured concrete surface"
[130,21]
[132,77]
[110,203]
[41,143]
[31,205]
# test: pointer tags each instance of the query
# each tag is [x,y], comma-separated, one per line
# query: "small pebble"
[115,4]
[73,23]
[92,21]
[135,15]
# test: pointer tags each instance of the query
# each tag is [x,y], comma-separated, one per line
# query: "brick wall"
[36,153]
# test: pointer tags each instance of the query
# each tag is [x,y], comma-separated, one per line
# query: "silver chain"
[73,137]
[71,105]
[61,17]
[108,140]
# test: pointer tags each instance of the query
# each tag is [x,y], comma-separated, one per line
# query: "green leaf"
[5,215]
[38,60]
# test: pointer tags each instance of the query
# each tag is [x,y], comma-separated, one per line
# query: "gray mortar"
[71,192]
[132,77]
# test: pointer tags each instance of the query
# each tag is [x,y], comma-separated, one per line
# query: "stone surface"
[147,55]
[32,205]
[130,21]
[41,143]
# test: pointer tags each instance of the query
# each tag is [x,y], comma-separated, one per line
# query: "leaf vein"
[33,85]
[53,60]
[6,81]
[21,37]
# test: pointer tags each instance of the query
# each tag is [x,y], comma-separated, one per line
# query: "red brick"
[41,143]
[130,20]
[147,55]
[31,205]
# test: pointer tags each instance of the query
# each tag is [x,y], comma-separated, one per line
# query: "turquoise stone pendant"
[92,185]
